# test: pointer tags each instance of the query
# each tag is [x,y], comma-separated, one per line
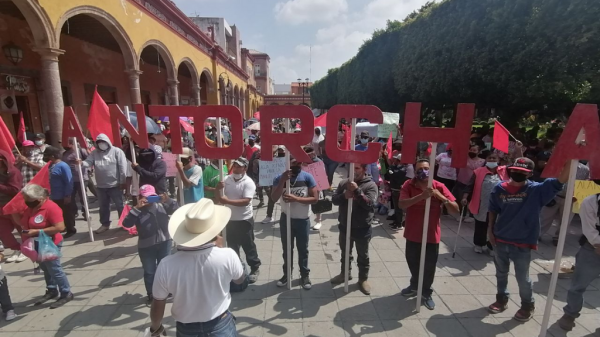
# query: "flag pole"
[221,174]
[83,192]
[425,229]
[135,180]
[347,250]
[288,223]
[561,240]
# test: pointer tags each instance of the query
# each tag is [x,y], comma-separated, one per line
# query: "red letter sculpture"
[234,115]
[174,112]
[71,128]
[139,136]
[292,141]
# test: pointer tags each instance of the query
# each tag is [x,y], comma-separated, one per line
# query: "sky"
[294,32]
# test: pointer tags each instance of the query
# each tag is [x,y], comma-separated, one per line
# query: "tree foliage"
[511,55]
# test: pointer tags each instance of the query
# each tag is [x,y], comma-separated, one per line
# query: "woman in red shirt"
[42,214]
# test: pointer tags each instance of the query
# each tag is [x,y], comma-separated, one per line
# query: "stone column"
[134,85]
[197,95]
[173,92]
[50,78]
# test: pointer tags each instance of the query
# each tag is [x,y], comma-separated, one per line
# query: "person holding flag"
[30,162]
[10,185]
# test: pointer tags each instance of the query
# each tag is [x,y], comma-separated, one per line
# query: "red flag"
[21,135]
[7,135]
[346,141]
[389,146]
[321,120]
[99,118]
[500,137]
[17,204]
[186,126]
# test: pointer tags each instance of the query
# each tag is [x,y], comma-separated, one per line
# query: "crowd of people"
[502,193]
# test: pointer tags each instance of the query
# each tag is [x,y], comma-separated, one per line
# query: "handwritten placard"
[583,189]
[170,159]
[390,124]
[317,170]
[269,170]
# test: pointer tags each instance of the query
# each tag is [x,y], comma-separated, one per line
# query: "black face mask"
[518,177]
[296,170]
[472,155]
[280,155]
[32,204]
[185,162]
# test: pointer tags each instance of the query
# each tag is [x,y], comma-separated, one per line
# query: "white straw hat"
[193,225]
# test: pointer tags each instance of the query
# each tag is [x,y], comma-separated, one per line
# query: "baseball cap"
[40,136]
[241,161]
[398,156]
[28,143]
[523,164]
[187,152]
[147,190]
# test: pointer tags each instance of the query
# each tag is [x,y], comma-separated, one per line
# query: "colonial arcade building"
[55,53]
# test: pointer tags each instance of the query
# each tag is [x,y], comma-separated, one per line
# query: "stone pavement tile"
[282,329]
[75,250]
[283,310]
[560,300]
[378,269]
[323,329]
[52,319]
[273,291]
[457,267]
[82,295]
[391,255]
[445,327]
[249,330]
[484,326]
[441,309]
[21,296]
[319,270]
[468,254]
[395,307]
[315,244]
[335,268]
[464,306]
[555,330]
[90,318]
[477,284]
[135,317]
[119,333]
[592,298]
[135,263]
[129,275]
[484,267]
[137,296]
[319,309]
[531,328]
[317,257]
[364,328]
[321,288]
[356,308]
[383,286]
[330,244]
[402,282]
[262,246]
[353,290]
[448,285]
[26,316]
[397,268]
[112,295]
[487,300]
[256,291]
[117,262]
[248,311]
[383,244]
[85,263]
[332,256]
[513,287]
[588,321]
[412,328]
[97,278]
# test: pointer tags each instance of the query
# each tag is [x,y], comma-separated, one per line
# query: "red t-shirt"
[49,214]
[415,214]
[250,151]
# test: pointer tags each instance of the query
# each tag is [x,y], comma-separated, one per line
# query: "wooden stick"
[348,251]
[221,174]
[83,192]
[288,223]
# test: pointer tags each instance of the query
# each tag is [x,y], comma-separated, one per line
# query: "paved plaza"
[106,277]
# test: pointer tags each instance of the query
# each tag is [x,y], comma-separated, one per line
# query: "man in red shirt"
[413,196]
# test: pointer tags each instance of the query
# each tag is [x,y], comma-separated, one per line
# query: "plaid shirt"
[27,172]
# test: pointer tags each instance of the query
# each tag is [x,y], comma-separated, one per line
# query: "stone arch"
[236,96]
[39,23]
[163,51]
[111,24]
[209,79]
[192,67]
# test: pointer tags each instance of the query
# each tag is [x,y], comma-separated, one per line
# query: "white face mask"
[238,176]
[103,146]
[491,164]
[39,143]
[364,141]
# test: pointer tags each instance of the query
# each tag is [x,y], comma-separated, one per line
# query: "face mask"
[280,155]
[364,141]
[185,162]
[518,177]
[491,164]
[296,170]
[238,176]
[103,146]
[39,143]
[32,204]
[449,153]
[422,174]
[472,155]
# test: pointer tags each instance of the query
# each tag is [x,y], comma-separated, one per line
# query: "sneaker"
[69,234]
[498,306]
[260,204]
[408,292]
[10,315]
[267,220]
[253,277]
[47,297]
[317,226]
[566,322]
[305,281]
[468,220]
[478,249]
[525,313]
[340,279]
[555,241]
[364,287]
[62,301]
[428,302]
[17,256]
[395,227]
[282,281]
[101,230]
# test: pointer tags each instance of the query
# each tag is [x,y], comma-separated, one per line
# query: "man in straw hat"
[198,275]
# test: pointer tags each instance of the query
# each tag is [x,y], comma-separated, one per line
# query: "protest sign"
[268,170]
[170,159]
[390,124]
[317,170]
[583,189]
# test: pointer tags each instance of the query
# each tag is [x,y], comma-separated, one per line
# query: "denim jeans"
[587,270]
[521,257]
[330,167]
[56,279]
[5,302]
[151,257]
[218,327]
[300,229]
[361,237]
[105,195]
[374,172]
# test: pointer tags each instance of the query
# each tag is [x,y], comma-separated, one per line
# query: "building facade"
[133,51]
[296,93]
[262,73]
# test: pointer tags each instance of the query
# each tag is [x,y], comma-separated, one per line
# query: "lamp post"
[304,86]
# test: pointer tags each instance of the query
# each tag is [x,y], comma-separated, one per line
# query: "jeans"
[240,234]
[270,201]
[68,215]
[222,326]
[5,301]
[77,192]
[105,195]
[413,258]
[361,237]
[374,172]
[330,167]
[151,257]
[588,269]
[56,279]
[300,229]
[398,212]
[521,257]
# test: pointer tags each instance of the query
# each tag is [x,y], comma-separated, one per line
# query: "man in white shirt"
[238,190]
[198,275]
[587,260]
